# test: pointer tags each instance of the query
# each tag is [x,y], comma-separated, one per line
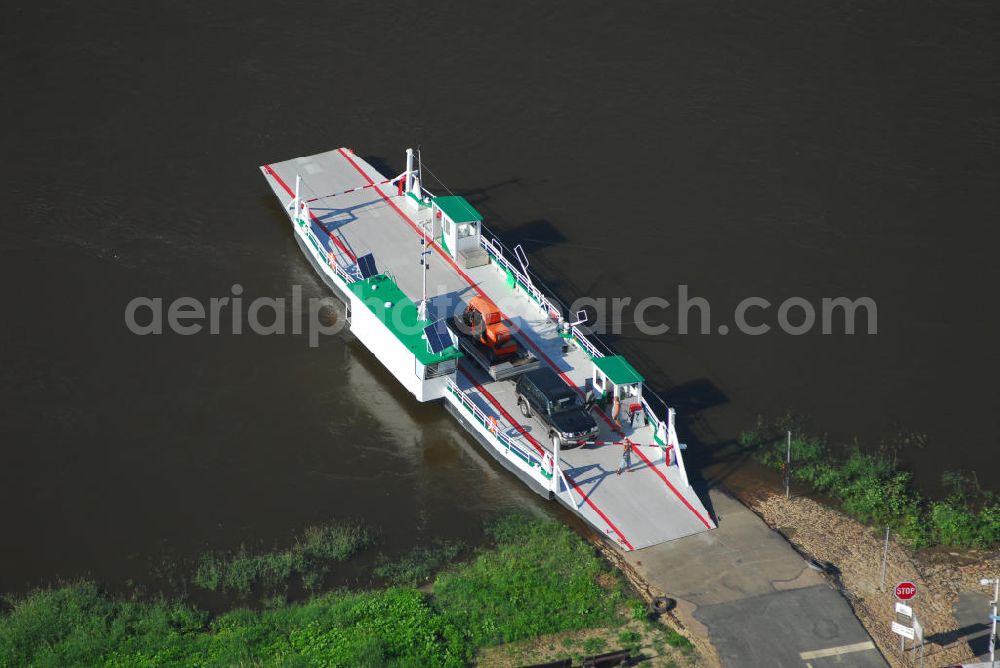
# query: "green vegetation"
[638,610]
[873,488]
[630,640]
[626,637]
[419,565]
[77,626]
[675,639]
[539,578]
[308,557]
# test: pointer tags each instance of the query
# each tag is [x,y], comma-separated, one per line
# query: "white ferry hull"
[489,444]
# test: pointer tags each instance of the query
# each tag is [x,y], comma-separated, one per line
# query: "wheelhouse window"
[463,230]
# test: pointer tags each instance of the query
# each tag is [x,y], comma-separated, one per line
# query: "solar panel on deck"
[366,265]
[438,336]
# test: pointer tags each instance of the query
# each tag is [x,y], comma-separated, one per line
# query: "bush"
[872,488]
[953,525]
[988,533]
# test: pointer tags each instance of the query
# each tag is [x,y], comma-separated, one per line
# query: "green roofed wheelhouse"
[618,383]
[459,228]
[618,370]
[457,208]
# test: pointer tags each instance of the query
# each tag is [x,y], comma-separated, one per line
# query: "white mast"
[409,169]
[293,206]
[424,268]
[412,181]
[413,187]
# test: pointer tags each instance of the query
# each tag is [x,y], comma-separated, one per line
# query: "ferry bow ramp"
[457,319]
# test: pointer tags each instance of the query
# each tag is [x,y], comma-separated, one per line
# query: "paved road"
[799,627]
[754,596]
[971,613]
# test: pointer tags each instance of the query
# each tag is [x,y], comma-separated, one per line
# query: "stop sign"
[905,591]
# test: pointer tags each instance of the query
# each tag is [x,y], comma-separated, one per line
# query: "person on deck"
[626,463]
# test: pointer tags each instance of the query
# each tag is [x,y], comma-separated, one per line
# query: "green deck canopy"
[457,208]
[618,370]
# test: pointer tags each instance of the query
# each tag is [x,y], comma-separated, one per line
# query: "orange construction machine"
[485,323]
[486,338]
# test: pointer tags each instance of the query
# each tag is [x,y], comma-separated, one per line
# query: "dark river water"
[760,149]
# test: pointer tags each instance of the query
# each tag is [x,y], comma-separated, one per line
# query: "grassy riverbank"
[537,578]
[872,487]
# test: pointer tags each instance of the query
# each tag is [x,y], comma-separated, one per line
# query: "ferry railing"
[330,258]
[654,406]
[585,343]
[495,250]
[529,456]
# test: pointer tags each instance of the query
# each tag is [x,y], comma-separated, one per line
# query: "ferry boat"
[379,241]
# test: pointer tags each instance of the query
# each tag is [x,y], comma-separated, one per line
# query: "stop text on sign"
[905,591]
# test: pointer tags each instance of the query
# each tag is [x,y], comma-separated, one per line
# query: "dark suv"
[543,394]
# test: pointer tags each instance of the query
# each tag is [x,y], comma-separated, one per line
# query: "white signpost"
[918,631]
[904,591]
[901,630]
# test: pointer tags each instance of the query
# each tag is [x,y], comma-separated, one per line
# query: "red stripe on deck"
[541,450]
[291,193]
[525,337]
[672,488]
[597,510]
[412,224]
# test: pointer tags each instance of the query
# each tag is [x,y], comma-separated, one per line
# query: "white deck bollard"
[554,482]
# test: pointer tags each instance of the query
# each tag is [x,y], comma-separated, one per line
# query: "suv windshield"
[565,403]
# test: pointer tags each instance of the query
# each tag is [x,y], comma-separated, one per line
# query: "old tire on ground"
[661,604]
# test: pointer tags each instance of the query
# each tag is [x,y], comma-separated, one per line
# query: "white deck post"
[556,471]
[675,442]
[409,169]
[293,206]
